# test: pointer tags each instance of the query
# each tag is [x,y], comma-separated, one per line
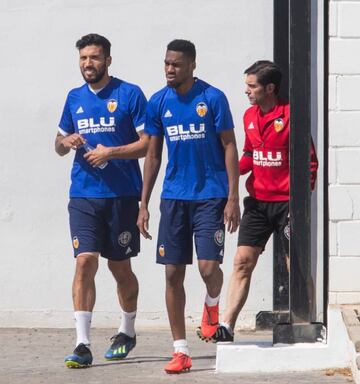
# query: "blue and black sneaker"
[221,335]
[121,345]
[80,358]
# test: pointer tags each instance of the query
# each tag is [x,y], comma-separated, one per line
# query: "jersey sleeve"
[246,160]
[245,163]
[138,109]
[222,115]
[247,144]
[66,125]
[153,124]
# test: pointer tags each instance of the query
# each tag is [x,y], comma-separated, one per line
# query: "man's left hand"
[98,156]
[232,215]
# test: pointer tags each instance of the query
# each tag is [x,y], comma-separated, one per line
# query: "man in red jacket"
[266,155]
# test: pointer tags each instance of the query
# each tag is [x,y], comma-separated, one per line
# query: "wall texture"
[344,151]
[39,65]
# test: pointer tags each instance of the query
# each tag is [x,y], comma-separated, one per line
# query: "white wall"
[39,64]
[344,152]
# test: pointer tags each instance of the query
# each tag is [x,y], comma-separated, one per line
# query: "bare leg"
[244,263]
[212,276]
[175,299]
[83,290]
[127,284]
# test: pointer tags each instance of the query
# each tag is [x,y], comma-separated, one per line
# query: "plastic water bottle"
[89,148]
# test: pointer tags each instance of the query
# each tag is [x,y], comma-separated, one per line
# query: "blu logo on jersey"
[90,123]
[260,155]
[267,159]
[175,130]
[178,132]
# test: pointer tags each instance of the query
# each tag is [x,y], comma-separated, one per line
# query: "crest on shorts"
[112,105]
[162,250]
[75,242]
[201,109]
[124,238]
[287,231]
[279,125]
[219,237]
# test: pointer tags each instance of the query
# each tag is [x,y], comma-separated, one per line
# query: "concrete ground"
[351,316]
[36,356]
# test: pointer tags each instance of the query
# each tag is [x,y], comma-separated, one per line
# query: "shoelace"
[118,338]
[82,349]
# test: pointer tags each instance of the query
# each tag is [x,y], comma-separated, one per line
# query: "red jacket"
[266,153]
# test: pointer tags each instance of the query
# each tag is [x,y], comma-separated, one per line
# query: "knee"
[119,269]
[209,270]
[174,281]
[243,265]
[122,272]
[86,267]
[208,273]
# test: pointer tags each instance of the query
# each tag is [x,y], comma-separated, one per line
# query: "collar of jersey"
[276,112]
[98,92]
[190,93]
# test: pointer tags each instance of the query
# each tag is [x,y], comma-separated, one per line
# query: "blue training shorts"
[107,226]
[181,220]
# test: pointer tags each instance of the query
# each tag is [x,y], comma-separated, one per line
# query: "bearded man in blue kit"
[103,121]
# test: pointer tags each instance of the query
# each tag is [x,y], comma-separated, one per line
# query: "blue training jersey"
[112,118]
[192,124]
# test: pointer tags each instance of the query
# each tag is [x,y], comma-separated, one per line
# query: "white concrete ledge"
[266,357]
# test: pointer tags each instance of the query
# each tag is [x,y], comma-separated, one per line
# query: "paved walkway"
[35,356]
[351,316]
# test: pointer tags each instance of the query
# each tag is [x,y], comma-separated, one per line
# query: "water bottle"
[89,148]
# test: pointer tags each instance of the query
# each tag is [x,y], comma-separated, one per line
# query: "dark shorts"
[107,226]
[260,219]
[181,220]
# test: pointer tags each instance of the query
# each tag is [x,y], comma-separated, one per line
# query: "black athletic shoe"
[80,358]
[121,346]
[221,335]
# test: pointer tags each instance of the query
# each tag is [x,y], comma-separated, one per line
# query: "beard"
[173,84]
[96,76]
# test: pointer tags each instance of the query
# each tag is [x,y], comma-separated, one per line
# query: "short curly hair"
[184,46]
[94,39]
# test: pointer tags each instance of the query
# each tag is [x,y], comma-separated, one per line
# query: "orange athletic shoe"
[179,363]
[210,320]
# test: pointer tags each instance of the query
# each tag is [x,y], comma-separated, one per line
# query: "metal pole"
[326,161]
[300,138]
[300,328]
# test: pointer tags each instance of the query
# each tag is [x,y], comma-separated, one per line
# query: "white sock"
[227,326]
[128,323]
[82,324]
[181,345]
[211,301]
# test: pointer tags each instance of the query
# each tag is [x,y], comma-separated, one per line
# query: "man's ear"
[270,88]
[108,61]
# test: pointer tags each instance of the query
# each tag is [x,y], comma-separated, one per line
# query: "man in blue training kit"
[200,191]
[103,121]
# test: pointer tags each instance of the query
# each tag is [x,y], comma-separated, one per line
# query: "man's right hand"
[73,141]
[63,144]
[143,222]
